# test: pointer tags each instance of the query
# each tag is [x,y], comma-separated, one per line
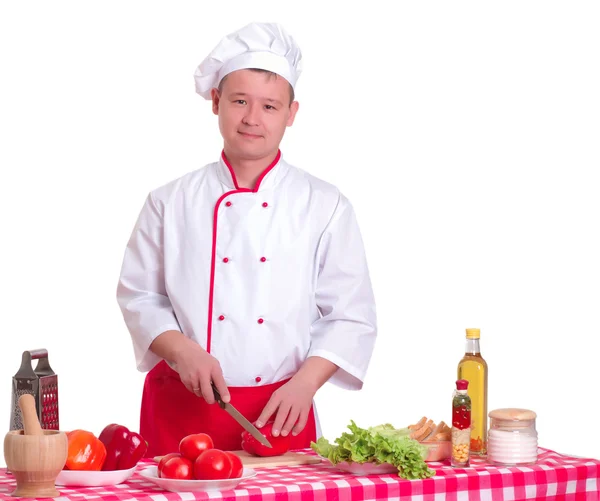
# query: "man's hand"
[293,400]
[196,367]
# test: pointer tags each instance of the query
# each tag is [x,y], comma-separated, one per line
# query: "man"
[249,272]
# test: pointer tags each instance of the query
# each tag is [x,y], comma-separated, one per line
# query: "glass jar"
[512,439]
[461,425]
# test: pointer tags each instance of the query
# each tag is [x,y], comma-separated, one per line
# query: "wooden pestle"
[31,423]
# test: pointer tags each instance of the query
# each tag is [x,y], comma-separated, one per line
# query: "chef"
[249,272]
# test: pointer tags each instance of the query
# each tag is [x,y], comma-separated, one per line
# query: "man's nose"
[251,116]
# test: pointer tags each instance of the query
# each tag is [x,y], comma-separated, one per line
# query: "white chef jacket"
[262,279]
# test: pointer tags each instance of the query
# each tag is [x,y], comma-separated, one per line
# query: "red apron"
[170,412]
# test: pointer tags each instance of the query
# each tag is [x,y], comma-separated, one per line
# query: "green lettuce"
[378,444]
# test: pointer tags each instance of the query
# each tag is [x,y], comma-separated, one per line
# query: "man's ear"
[216,99]
[293,110]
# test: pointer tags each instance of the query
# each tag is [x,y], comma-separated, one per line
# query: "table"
[555,476]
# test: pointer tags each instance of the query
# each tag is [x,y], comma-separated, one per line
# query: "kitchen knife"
[235,414]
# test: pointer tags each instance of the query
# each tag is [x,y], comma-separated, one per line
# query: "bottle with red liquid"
[461,425]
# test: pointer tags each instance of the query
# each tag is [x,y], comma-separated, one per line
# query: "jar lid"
[462,384]
[513,414]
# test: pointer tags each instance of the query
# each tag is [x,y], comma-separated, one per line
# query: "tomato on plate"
[164,459]
[212,464]
[194,445]
[236,465]
[180,468]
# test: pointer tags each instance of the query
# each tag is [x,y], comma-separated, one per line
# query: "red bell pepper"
[252,446]
[85,451]
[124,448]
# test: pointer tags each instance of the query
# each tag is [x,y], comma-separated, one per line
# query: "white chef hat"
[265,46]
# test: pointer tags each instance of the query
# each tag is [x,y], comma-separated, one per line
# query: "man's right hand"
[196,367]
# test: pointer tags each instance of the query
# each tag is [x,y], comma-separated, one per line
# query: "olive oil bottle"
[474,369]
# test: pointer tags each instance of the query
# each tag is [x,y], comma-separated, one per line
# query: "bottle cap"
[462,384]
[472,333]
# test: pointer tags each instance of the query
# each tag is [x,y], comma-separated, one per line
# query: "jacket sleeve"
[346,330]
[141,291]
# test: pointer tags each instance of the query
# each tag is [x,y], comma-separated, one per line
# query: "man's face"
[254,110]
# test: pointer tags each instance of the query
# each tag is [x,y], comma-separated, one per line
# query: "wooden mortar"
[34,456]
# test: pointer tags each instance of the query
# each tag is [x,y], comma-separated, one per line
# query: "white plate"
[176,485]
[83,478]
[366,468]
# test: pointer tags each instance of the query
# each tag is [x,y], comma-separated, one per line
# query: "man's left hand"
[292,403]
[293,400]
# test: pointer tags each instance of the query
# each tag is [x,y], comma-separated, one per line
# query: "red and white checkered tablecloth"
[555,476]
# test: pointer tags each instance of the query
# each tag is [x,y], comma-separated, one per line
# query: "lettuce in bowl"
[378,444]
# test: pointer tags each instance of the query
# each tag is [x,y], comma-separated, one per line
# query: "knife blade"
[238,416]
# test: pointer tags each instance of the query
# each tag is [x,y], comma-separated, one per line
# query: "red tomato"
[194,445]
[178,467]
[212,464]
[236,465]
[252,446]
[164,459]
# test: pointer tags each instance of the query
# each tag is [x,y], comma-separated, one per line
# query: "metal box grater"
[40,382]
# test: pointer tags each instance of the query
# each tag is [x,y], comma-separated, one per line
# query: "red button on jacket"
[260,320]
[221,317]
[257,379]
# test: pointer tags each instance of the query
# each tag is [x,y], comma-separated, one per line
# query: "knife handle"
[218,396]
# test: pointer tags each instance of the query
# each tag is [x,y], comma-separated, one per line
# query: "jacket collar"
[268,178]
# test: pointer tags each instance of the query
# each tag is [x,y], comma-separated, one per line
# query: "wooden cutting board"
[287,459]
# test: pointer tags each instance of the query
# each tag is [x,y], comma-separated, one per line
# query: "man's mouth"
[248,135]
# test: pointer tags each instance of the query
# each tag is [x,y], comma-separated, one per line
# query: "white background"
[466,134]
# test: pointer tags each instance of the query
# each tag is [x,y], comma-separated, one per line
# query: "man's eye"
[240,101]
[269,107]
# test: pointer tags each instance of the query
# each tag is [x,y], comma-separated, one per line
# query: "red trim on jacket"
[214,234]
[259,180]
